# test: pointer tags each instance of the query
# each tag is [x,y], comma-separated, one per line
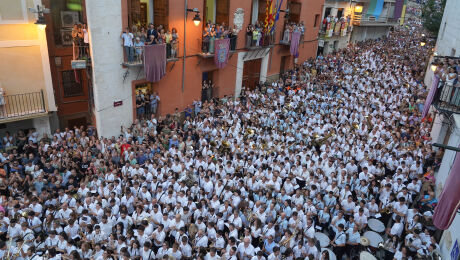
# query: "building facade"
[116,83]
[371,22]
[26,88]
[446,110]
[336,26]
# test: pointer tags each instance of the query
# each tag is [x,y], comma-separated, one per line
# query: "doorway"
[81,121]
[207,88]
[251,73]
[284,66]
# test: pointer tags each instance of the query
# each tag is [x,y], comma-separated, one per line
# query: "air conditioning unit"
[69,18]
[66,37]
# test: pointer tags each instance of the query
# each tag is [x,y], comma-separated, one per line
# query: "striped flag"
[269,16]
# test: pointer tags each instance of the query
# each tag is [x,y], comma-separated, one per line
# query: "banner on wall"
[343,29]
[222,47]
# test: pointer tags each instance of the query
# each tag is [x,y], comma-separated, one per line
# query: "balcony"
[447,99]
[206,53]
[81,57]
[267,41]
[380,21]
[138,56]
[22,106]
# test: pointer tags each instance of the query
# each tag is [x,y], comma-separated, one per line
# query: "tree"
[432,13]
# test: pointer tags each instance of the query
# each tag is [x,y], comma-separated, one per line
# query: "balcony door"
[251,73]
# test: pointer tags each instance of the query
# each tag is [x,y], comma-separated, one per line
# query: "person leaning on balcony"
[127,37]
[152,40]
[139,49]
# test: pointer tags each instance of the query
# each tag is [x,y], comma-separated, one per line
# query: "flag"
[295,39]
[278,9]
[378,8]
[398,9]
[449,200]
[403,13]
[269,16]
[222,46]
[371,9]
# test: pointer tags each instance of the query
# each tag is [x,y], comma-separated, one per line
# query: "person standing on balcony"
[206,38]
[212,35]
[168,38]
[174,41]
[139,49]
[127,37]
[85,40]
[152,31]
[248,36]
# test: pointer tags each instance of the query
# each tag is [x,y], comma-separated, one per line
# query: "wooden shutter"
[222,11]
[161,13]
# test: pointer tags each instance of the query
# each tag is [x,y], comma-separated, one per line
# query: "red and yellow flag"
[270,12]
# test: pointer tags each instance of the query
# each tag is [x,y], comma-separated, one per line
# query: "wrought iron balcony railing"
[22,105]
[447,98]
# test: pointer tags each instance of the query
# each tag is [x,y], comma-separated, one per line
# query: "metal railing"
[447,98]
[207,46]
[21,105]
[379,20]
[138,54]
[262,42]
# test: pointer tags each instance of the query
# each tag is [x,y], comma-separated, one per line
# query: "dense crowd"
[336,143]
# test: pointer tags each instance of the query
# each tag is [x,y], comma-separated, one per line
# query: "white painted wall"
[105,26]
[441,176]
[449,33]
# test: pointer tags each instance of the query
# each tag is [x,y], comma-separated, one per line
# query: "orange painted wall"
[170,87]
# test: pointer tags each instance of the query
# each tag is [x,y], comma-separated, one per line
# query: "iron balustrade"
[138,54]
[22,105]
[447,97]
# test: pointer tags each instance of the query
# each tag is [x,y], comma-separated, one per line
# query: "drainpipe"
[184,54]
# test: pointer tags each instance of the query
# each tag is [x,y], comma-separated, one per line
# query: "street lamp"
[196,19]
[41,22]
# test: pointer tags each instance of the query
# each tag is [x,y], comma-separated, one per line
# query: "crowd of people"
[336,142]
[213,31]
[135,38]
[292,27]
[146,104]
[80,41]
[257,36]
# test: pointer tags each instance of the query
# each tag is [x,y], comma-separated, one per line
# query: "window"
[161,13]
[216,11]
[327,12]
[316,20]
[262,11]
[64,14]
[339,13]
[222,10]
[71,83]
[294,11]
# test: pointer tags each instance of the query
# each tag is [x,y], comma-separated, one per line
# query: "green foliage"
[432,13]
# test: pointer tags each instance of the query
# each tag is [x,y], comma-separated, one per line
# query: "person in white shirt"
[245,249]
[396,229]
